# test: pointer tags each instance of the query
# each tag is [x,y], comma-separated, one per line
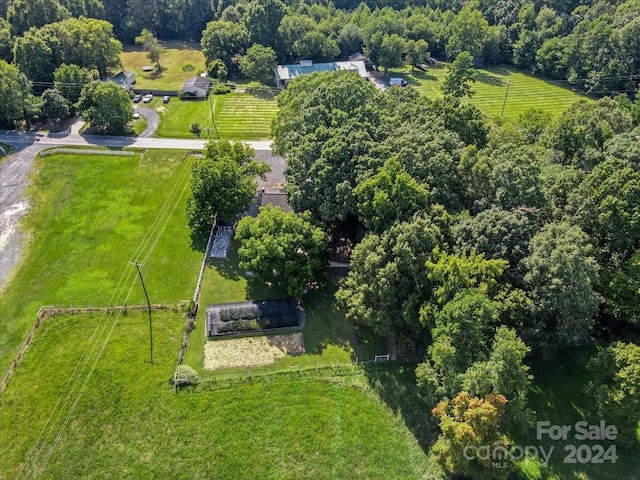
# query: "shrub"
[188,67]
[185,371]
[221,89]
[195,129]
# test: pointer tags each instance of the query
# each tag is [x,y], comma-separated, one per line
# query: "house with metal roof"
[125,79]
[285,73]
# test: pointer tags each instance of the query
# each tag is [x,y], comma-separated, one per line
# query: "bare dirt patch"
[251,351]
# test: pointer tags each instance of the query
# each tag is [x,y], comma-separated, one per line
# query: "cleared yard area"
[238,116]
[129,423]
[525,91]
[251,351]
[175,63]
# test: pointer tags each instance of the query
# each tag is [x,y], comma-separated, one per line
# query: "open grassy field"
[128,423]
[173,62]
[91,215]
[239,116]
[525,91]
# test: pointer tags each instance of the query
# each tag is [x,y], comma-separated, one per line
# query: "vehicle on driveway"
[397,82]
[136,116]
[137,98]
[147,98]
[166,99]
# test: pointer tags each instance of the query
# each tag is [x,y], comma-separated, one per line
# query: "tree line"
[479,243]
[592,43]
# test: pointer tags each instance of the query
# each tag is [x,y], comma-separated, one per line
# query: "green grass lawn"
[558,396]
[525,91]
[238,116]
[128,422]
[328,336]
[173,75]
[91,215]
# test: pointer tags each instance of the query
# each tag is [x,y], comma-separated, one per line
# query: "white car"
[136,116]
[147,98]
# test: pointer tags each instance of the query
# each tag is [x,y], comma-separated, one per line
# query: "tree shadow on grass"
[395,384]
[489,79]
[263,92]
[421,75]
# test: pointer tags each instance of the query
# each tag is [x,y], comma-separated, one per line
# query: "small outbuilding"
[125,79]
[196,87]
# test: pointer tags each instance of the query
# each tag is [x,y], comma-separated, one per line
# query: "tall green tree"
[16,101]
[54,106]
[70,79]
[560,277]
[467,32]
[416,52]
[387,285]
[222,40]
[222,184]
[616,369]
[259,62]
[326,127]
[391,195]
[262,19]
[283,249]
[106,106]
[459,77]
[24,14]
[151,45]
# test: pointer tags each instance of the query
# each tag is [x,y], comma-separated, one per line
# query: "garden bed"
[253,317]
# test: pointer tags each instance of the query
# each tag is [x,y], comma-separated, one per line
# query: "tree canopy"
[105,106]
[223,184]
[283,249]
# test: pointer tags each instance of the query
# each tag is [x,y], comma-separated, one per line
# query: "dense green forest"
[595,45]
[481,246]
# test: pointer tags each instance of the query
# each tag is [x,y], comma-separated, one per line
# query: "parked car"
[147,98]
[137,98]
[166,99]
[136,116]
[397,82]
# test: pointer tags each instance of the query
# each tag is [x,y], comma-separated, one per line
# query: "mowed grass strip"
[130,424]
[176,56]
[238,116]
[90,216]
[525,91]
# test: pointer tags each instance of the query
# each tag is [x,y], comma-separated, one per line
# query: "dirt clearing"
[251,351]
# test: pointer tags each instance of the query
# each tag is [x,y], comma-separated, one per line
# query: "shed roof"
[125,78]
[197,81]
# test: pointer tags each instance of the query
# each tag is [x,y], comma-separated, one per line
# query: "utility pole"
[149,305]
[213,120]
[505,98]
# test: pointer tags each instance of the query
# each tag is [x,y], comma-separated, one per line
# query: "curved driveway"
[14,174]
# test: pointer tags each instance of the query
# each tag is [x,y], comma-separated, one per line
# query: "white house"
[285,73]
[196,87]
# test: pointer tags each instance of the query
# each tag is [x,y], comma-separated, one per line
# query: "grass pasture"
[525,91]
[172,77]
[91,215]
[238,116]
[128,422]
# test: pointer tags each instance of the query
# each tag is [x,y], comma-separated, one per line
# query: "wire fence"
[291,373]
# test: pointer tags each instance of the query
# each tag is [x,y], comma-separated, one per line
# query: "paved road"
[14,175]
